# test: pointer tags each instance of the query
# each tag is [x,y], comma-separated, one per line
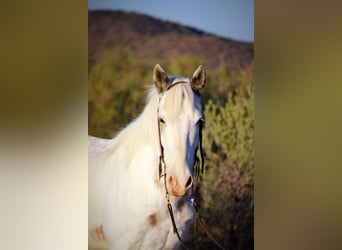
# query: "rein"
[162,166]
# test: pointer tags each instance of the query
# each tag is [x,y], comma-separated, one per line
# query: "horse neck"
[144,129]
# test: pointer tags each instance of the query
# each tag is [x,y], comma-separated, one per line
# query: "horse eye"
[201,120]
[161,120]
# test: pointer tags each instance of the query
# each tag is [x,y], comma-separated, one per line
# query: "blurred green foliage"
[226,189]
[117,94]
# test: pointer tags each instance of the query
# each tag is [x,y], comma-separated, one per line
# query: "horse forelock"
[179,98]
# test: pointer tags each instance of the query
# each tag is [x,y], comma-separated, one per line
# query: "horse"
[140,182]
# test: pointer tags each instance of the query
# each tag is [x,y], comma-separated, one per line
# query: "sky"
[232,19]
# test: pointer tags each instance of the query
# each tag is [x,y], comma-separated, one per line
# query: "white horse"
[130,174]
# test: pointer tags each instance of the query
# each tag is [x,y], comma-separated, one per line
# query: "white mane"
[127,207]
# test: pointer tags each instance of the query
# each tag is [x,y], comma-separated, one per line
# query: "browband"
[174,84]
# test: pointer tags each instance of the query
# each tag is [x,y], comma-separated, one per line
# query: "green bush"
[226,189]
[116,92]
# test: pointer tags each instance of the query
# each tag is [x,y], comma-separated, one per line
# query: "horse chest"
[155,230]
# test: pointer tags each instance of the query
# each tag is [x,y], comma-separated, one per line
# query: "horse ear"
[198,80]
[160,78]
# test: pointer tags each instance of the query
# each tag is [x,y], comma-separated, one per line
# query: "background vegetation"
[117,83]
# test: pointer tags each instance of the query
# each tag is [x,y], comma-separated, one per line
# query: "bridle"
[197,169]
[162,166]
[161,157]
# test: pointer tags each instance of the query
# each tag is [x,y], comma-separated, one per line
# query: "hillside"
[152,39]
[125,46]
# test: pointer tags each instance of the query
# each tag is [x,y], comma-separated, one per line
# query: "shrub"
[116,92]
[226,189]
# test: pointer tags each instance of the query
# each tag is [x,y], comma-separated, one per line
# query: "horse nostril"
[189,182]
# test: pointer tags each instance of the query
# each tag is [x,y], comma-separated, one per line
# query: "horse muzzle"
[179,188]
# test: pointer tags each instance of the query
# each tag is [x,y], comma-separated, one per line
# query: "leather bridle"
[162,166]
[161,157]
[197,169]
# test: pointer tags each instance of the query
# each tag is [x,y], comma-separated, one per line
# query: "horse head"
[179,118]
